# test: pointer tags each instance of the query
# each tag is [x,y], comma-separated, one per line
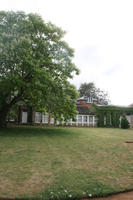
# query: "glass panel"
[90,100]
[91,119]
[37,117]
[84,118]
[79,118]
[45,118]
[69,120]
[52,120]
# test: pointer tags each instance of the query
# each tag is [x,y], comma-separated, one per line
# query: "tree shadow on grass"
[33,131]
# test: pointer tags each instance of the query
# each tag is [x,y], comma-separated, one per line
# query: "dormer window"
[90,100]
[85,100]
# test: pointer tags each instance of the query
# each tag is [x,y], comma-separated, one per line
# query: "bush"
[124,122]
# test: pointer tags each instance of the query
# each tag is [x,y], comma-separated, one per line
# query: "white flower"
[90,195]
[70,195]
[84,193]
[65,190]
[51,192]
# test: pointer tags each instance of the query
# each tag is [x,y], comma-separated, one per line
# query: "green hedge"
[111,114]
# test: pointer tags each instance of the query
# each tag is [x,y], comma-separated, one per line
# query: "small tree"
[124,122]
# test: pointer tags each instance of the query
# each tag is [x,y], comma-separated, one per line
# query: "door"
[24,117]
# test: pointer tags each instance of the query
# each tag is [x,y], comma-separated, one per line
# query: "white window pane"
[52,120]
[79,118]
[91,119]
[84,118]
[45,118]
[37,117]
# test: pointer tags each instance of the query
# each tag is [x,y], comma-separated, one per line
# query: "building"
[84,118]
[108,116]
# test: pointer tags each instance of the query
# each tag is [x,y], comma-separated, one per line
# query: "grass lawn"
[59,163]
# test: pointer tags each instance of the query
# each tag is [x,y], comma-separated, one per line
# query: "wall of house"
[41,119]
[81,120]
[84,118]
[130,120]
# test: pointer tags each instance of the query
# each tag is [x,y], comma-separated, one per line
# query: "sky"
[101,32]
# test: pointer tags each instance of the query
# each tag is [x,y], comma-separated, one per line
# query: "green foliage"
[108,115]
[101,119]
[113,119]
[11,115]
[35,64]
[121,110]
[117,119]
[112,114]
[90,90]
[124,122]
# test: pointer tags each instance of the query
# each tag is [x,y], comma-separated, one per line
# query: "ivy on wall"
[109,116]
[108,119]
[100,119]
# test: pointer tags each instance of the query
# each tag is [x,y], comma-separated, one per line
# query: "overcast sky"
[101,32]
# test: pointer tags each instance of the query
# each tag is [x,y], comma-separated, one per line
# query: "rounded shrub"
[124,122]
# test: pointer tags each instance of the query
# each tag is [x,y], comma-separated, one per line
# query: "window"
[90,100]
[45,118]
[37,117]
[91,119]
[79,118]
[104,120]
[69,121]
[24,117]
[51,120]
[84,118]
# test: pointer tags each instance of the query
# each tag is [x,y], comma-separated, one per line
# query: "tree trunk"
[30,115]
[3,116]
[3,122]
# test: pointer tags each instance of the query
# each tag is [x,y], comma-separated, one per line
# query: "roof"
[83,110]
[84,98]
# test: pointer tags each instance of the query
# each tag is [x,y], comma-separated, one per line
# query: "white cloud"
[101,33]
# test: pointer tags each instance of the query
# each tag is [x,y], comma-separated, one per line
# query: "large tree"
[35,64]
[90,90]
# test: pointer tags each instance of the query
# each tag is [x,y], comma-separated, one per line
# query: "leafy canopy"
[35,64]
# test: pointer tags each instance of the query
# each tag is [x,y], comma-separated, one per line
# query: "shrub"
[124,122]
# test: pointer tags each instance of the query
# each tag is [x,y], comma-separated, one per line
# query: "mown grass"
[64,163]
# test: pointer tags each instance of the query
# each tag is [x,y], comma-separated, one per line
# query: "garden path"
[121,196]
